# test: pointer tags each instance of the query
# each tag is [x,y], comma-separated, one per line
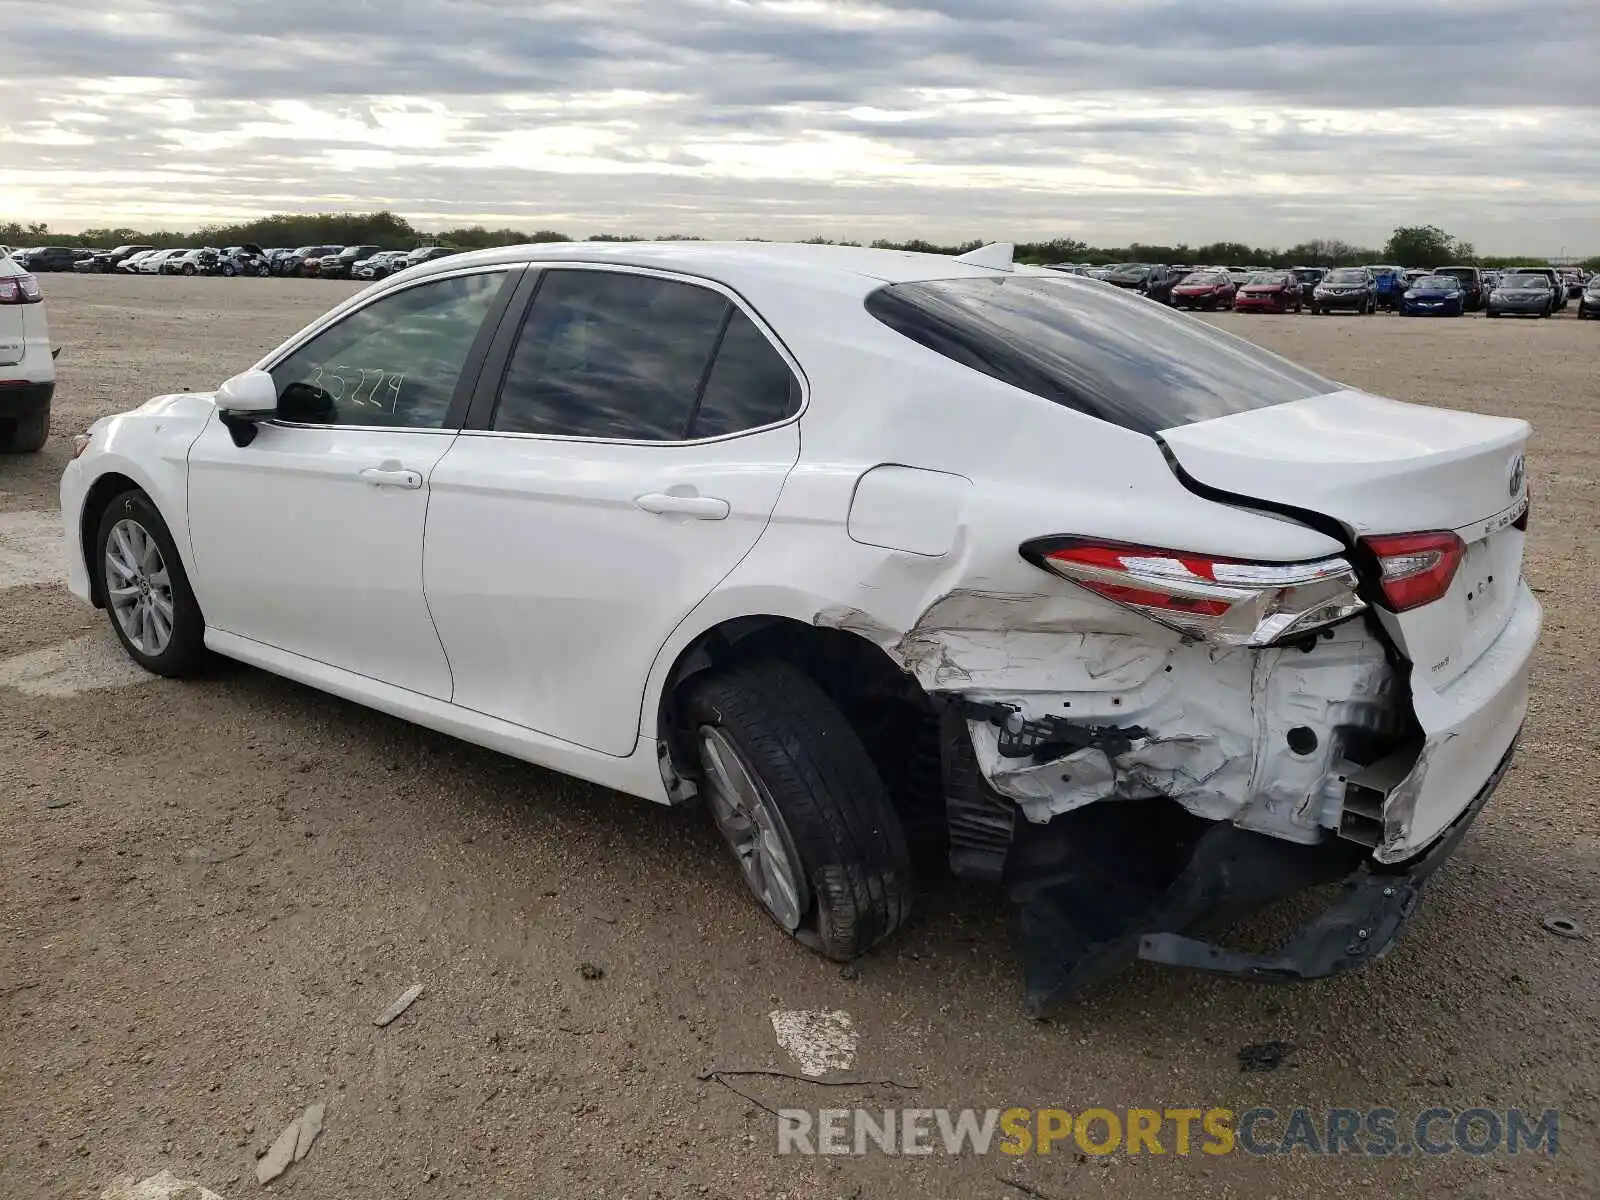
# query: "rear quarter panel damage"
[1217,719]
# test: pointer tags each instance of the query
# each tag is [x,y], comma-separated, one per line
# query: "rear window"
[1121,359]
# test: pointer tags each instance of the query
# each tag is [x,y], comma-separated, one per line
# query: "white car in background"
[27,363]
[1130,616]
[150,264]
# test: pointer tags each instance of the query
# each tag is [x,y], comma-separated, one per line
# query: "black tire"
[185,653]
[844,830]
[1490,313]
[263,270]
[188,268]
[229,271]
[25,435]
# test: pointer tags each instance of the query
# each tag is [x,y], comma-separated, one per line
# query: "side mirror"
[248,397]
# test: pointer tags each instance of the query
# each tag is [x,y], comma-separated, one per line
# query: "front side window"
[1088,348]
[393,363]
[604,354]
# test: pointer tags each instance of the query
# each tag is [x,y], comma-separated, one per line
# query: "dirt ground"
[208,891]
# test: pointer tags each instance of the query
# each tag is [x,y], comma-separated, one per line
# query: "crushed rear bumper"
[1230,872]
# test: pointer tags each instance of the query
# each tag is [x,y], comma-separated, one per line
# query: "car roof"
[856,269]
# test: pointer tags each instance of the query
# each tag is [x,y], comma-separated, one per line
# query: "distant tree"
[1324,252]
[1423,246]
[1230,253]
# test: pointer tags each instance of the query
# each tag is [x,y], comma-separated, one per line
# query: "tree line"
[1408,246]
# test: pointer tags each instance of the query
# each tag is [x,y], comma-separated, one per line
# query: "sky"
[1264,121]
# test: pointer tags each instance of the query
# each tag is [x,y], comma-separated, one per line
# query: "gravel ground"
[209,890]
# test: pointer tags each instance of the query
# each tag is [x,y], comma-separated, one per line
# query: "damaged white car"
[866,549]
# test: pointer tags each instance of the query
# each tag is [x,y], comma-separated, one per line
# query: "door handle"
[395,477]
[702,508]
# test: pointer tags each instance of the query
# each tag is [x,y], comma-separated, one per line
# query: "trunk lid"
[1379,466]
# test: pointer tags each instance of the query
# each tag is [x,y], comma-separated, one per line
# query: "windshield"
[1267,278]
[1095,350]
[1204,278]
[1346,275]
[1437,283]
[1519,280]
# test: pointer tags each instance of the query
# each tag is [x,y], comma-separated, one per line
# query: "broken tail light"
[20,289]
[1224,600]
[1417,568]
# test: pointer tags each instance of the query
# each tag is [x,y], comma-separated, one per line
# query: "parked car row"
[350,262]
[325,262]
[1445,291]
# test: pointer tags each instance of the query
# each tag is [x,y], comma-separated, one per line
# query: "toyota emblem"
[1519,471]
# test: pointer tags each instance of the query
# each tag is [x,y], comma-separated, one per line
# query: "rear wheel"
[797,799]
[152,608]
[25,435]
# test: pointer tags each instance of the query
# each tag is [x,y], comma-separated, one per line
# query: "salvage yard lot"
[209,890]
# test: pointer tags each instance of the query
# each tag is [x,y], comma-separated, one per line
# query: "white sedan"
[1117,610]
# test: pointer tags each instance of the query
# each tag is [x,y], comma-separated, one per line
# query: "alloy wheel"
[754,829]
[139,587]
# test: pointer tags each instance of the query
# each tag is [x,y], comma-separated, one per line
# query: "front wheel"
[229,271]
[152,608]
[797,799]
[263,270]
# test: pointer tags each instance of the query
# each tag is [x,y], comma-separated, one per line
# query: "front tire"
[796,797]
[148,599]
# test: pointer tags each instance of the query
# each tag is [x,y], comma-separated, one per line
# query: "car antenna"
[996,254]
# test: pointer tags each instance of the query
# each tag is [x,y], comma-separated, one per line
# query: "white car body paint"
[294,549]
[907,508]
[892,508]
[532,626]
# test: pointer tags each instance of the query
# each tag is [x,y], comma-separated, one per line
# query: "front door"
[641,434]
[309,539]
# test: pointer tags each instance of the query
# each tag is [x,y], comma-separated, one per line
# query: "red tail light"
[1417,567]
[20,289]
[1224,600]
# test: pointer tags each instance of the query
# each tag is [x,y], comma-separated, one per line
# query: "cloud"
[1261,120]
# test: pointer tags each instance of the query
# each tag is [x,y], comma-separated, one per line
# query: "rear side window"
[1090,348]
[605,354]
[750,385]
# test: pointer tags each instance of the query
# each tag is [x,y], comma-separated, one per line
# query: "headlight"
[80,443]
[1411,295]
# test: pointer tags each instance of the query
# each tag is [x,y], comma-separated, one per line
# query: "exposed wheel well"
[888,710]
[101,493]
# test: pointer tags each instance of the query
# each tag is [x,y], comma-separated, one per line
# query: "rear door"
[625,459]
